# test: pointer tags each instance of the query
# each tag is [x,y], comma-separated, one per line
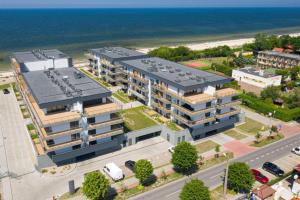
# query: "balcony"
[117,131]
[192,123]
[48,136]
[198,98]
[138,95]
[142,88]
[160,107]
[93,111]
[117,120]
[190,112]
[232,103]
[227,92]
[161,98]
[139,78]
[56,147]
[232,112]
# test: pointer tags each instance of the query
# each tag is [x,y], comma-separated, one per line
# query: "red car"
[259,176]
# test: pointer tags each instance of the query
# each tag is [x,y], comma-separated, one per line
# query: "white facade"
[46,64]
[259,80]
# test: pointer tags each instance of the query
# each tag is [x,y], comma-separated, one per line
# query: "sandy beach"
[212,44]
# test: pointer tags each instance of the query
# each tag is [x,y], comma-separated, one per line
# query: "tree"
[143,169]
[194,190]
[217,150]
[95,185]
[270,92]
[184,156]
[258,136]
[240,177]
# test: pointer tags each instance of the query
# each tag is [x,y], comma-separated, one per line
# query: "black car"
[6,91]
[272,168]
[130,164]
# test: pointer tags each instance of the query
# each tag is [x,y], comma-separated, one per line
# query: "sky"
[145,3]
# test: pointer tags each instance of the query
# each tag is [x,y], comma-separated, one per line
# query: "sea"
[76,30]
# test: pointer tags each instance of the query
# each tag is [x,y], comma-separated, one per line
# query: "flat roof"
[286,55]
[117,53]
[63,86]
[255,72]
[175,74]
[38,55]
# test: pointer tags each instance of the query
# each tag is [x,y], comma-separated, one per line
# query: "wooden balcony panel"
[106,123]
[226,92]
[139,78]
[191,113]
[161,107]
[162,99]
[107,134]
[192,123]
[92,111]
[199,98]
[56,147]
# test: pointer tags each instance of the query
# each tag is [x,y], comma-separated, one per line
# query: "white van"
[113,171]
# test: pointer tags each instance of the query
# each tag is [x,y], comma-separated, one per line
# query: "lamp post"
[226,177]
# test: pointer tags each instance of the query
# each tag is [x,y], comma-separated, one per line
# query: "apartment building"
[74,115]
[253,80]
[42,60]
[104,62]
[194,99]
[274,59]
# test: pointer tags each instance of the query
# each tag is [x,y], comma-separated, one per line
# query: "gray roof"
[63,86]
[255,72]
[175,74]
[285,55]
[117,53]
[38,55]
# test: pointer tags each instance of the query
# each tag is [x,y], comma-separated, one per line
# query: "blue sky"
[145,3]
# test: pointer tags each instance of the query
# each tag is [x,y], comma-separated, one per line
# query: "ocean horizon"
[76,30]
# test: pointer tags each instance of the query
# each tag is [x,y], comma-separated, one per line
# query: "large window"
[74,124]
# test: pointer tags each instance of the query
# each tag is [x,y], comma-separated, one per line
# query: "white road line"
[212,177]
[171,194]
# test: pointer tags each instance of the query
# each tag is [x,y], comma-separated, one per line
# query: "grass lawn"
[217,193]
[234,134]
[267,141]
[206,146]
[135,119]
[4,86]
[99,80]
[173,126]
[250,126]
[122,96]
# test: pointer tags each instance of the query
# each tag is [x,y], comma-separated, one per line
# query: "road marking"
[171,194]
[251,160]
[212,177]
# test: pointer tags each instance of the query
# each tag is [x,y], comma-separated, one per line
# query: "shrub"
[195,190]
[95,185]
[143,169]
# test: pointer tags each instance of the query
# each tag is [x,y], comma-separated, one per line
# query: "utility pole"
[226,178]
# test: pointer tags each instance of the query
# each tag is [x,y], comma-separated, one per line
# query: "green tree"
[257,136]
[240,177]
[195,190]
[217,150]
[95,185]
[184,156]
[293,100]
[143,169]
[270,92]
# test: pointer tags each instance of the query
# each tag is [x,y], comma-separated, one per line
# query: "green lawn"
[122,96]
[135,119]
[250,126]
[173,126]
[234,134]
[4,86]
[267,141]
[206,146]
[99,80]
[217,193]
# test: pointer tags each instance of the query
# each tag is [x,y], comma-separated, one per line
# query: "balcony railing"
[101,109]
[139,78]
[161,98]
[192,123]
[190,112]
[160,107]
[55,147]
[232,112]
[117,120]
[48,136]
[117,131]
[227,92]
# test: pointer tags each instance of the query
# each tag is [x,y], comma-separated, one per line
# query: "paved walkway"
[238,148]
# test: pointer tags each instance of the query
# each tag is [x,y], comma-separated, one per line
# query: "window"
[75,136]
[50,142]
[178,140]
[183,138]
[219,101]
[92,132]
[208,104]
[76,147]
[206,124]
[93,142]
[129,142]
[91,120]
[74,124]
[48,129]
[207,114]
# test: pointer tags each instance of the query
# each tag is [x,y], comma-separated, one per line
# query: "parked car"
[6,91]
[296,151]
[130,164]
[259,176]
[171,149]
[113,171]
[273,169]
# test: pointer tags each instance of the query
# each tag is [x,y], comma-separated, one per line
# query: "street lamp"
[226,177]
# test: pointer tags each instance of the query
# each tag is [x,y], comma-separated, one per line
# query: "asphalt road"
[213,176]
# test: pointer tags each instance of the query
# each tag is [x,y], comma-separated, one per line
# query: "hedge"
[284,114]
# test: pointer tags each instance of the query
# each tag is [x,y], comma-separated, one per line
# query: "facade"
[273,59]
[73,114]
[252,80]
[42,59]
[194,99]
[104,62]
